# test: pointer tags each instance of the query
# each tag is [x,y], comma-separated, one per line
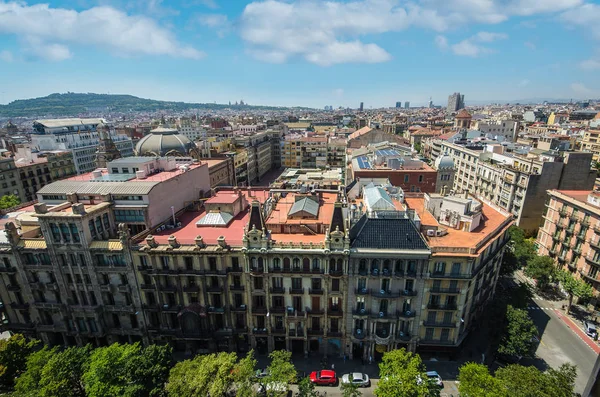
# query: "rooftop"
[57,123]
[492,221]
[381,233]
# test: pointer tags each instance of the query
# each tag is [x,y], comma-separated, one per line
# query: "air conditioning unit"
[408,313]
[431,233]
[364,290]
[381,314]
[363,311]
[359,331]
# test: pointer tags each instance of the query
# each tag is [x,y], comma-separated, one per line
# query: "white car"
[357,378]
[434,377]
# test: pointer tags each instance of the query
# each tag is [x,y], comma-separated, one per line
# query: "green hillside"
[73,104]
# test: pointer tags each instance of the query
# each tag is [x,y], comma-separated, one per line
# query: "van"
[590,329]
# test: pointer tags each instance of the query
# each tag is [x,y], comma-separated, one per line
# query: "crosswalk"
[539,308]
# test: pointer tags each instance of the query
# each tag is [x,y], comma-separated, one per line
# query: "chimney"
[199,241]
[72,197]
[78,208]
[173,241]
[40,208]
[221,242]
[151,241]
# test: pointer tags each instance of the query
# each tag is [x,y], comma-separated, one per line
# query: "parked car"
[278,389]
[590,329]
[326,377]
[357,378]
[261,373]
[434,377]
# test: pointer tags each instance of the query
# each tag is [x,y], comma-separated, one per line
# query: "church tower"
[107,151]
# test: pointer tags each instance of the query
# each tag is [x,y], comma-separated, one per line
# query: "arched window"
[286,263]
[399,267]
[316,264]
[306,264]
[253,262]
[375,266]
[296,264]
[277,263]
[261,263]
[332,264]
[340,265]
[362,265]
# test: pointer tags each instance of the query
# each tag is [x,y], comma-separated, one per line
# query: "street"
[559,344]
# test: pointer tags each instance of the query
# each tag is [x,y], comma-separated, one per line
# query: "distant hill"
[73,104]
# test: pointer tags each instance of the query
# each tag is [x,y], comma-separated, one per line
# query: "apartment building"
[517,183]
[299,151]
[571,234]
[79,136]
[10,182]
[502,130]
[591,143]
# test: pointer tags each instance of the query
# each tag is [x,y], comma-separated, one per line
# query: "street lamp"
[173,213]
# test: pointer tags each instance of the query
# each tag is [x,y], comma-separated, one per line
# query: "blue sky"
[302,52]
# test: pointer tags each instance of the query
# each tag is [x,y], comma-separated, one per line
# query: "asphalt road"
[559,344]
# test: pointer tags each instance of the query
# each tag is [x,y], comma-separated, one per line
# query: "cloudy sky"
[302,52]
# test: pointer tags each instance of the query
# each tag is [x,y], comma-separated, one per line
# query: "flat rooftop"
[159,177]
[492,220]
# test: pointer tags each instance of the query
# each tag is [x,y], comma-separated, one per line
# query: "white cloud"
[282,29]
[441,42]
[590,64]
[580,89]
[530,45]
[52,30]
[6,56]
[471,47]
[218,22]
[524,83]
[585,16]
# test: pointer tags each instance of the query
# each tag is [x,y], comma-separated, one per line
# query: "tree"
[62,375]
[28,383]
[9,201]
[307,389]
[475,380]
[519,334]
[207,375]
[403,374]
[531,382]
[350,390]
[13,357]
[541,268]
[127,370]
[418,147]
[522,249]
[244,375]
[281,370]
[574,287]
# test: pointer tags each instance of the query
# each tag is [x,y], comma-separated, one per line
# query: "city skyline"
[331,53]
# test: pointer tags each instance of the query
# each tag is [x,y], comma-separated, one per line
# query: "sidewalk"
[575,327]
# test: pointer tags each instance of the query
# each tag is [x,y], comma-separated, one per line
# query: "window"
[420,178]
[129,216]
[258,283]
[189,262]
[429,333]
[439,268]
[296,283]
[335,284]
[406,178]
[445,334]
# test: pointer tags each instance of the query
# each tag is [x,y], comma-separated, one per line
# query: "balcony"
[20,306]
[240,308]
[334,334]
[315,312]
[450,275]
[278,331]
[296,332]
[235,269]
[439,324]
[336,273]
[167,287]
[589,276]
[317,271]
[277,290]
[278,309]
[335,312]
[438,290]
[215,272]
[259,331]
[315,331]
[438,306]
[562,212]
[362,291]
[591,260]
[15,287]
[404,336]
[383,294]
[296,291]
[315,291]
[191,288]
[431,341]
[236,288]
[257,270]
[363,272]
[406,313]
[216,289]
[596,229]
[359,333]
[361,312]
[171,308]
[216,310]
[383,316]
[408,292]
[147,286]
[119,308]
[10,269]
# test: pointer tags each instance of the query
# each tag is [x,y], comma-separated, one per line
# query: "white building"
[502,130]
[78,136]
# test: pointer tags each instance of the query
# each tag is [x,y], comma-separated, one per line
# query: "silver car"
[434,377]
[360,380]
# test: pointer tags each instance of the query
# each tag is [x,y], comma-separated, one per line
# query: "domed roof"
[463,114]
[444,162]
[165,142]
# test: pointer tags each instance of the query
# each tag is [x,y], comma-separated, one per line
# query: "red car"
[325,377]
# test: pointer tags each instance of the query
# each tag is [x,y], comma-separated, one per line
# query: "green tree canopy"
[204,375]
[307,389]
[402,374]
[14,352]
[281,370]
[574,286]
[530,382]
[350,390]
[9,201]
[243,376]
[541,269]
[519,335]
[475,380]
[28,383]
[127,370]
[62,375]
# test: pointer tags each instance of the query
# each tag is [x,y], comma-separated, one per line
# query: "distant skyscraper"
[361,106]
[406,105]
[399,104]
[455,102]
[430,103]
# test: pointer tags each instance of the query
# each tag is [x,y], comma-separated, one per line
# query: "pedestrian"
[344,359]
[370,359]
[333,367]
